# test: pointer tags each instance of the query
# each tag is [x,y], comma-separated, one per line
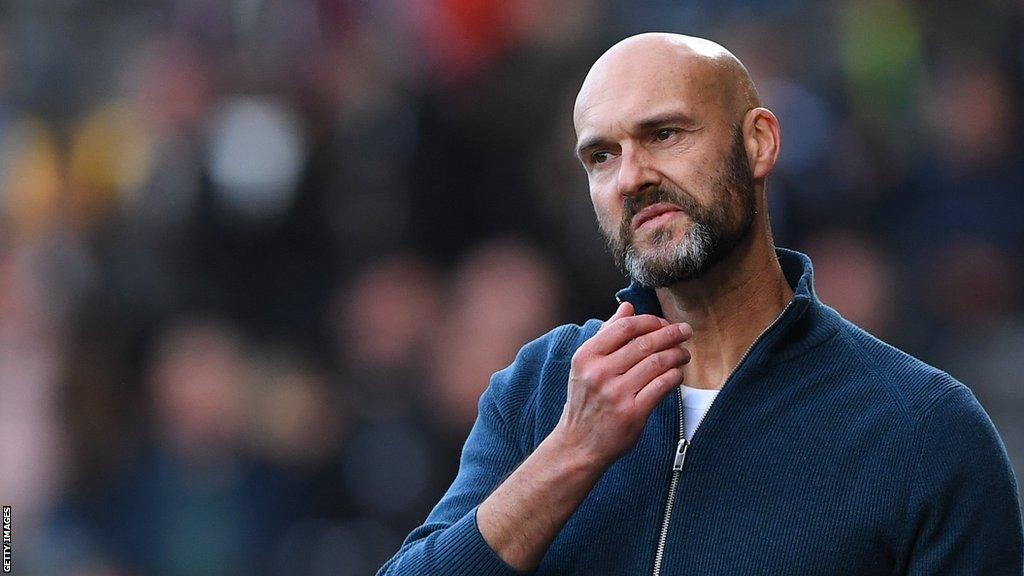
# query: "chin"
[658,238]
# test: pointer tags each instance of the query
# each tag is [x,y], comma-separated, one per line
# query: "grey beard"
[666,262]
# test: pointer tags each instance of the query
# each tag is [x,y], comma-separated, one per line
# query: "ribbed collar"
[806,321]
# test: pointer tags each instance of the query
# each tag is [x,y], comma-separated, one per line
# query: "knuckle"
[625,411]
[656,361]
[579,357]
[589,375]
[584,376]
[678,355]
[623,326]
[670,379]
[655,322]
[602,398]
[607,395]
[643,344]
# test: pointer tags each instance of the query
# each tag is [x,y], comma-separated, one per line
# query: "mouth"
[653,215]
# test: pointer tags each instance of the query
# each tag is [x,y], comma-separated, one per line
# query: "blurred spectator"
[854,278]
[955,294]
[200,386]
[970,183]
[504,295]
[882,52]
[32,178]
[383,324]
[295,421]
[391,469]
[191,505]
[30,354]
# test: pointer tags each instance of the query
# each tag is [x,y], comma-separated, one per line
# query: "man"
[823,450]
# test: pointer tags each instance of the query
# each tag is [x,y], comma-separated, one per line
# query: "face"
[669,176]
[661,257]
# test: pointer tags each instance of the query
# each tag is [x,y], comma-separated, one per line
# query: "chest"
[769,486]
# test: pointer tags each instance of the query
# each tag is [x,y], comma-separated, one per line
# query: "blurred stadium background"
[259,257]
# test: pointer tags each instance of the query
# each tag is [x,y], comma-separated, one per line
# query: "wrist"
[572,456]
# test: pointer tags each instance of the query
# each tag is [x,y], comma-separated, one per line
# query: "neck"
[728,308]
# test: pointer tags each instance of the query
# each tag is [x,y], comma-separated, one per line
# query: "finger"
[624,309]
[618,333]
[643,346]
[655,391]
[653,366]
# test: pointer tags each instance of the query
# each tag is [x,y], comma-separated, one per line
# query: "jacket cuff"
[469,553]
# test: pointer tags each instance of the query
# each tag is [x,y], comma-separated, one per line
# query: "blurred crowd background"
[258,258]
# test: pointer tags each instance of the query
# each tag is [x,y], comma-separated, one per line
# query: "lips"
[651,212]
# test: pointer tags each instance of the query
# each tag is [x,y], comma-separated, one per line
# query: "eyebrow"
[587,145]
[643,125]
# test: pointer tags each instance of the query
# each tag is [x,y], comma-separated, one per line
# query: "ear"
[762,139]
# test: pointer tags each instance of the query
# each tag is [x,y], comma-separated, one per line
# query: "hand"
[617,378]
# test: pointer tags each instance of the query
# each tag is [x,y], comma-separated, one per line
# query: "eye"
[600,157]
[665,134]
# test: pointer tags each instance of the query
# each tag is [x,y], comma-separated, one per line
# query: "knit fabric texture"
[826,452]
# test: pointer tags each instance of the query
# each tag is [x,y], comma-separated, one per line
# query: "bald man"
[723,420]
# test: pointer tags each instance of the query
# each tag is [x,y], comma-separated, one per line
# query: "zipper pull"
[677,464]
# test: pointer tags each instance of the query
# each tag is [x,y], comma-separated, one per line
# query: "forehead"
[627,88]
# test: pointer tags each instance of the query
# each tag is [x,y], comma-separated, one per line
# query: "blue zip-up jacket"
[826,452]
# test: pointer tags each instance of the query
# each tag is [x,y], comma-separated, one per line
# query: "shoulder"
[540,365]
[552,349]
[557,345]
[954,452]
[915,387]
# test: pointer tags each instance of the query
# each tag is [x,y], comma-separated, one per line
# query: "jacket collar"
[805,319]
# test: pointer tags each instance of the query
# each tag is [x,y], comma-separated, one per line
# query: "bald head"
[671,125]
[700,70]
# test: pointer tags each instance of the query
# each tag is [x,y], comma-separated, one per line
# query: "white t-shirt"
[695,403]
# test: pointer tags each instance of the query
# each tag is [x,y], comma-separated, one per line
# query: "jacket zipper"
[684,445]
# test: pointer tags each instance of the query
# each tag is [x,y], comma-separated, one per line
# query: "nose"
[636,173]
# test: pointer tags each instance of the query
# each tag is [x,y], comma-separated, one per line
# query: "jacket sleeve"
[963,513]
[449,541]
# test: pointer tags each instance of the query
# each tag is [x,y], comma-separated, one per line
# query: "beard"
[712,235]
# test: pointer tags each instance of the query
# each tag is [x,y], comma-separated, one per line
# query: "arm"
[616,379]
[963,515]
[521,519]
